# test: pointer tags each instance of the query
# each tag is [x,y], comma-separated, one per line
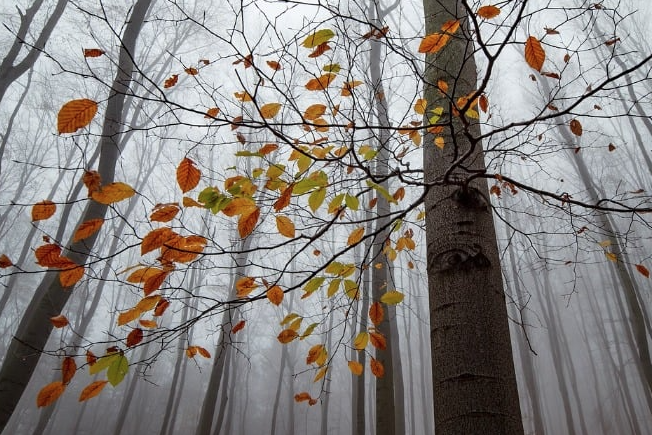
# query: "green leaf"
[208,196]
[380,189]
[314,284]
[117,370]
[351,288]
[248,154]
[275,171]
[256,173]
[335,203]
[437,112]
[102,363]
[333,287]
[316,199]
[308,330]
[332,67]
[287,319]
[352,202]
[303,186]
[392,297]
[318,38]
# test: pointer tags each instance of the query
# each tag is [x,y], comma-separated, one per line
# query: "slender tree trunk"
[473,371]
[50,297]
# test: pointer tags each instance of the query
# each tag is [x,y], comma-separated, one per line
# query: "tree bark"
[473,371]
[50,297]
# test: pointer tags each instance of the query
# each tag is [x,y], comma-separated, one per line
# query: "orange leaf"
[92,390]
[165,213]
[378,340]
[148,302]
[377,368]
[50,393]
[238,326]
[154,282]
[356,368]
[59,321]
[171,81]
[143,274]
[5,262]
[244,286]
[576,127]
[189,202]
[93,52]
[314,111]
[302,397]
[285,226]
[348,86]
[212,112]
[90,357]
[70,277]
[156,239]
[287,335]
[321,83]
[643,270]
[48,255]
[450,27]
[534,54]
[68,369]
[488,12]
[92,181]
[87,229]
[355,236]
[162,305]
[128,316]
[274,65]
[275,295]
[270,110]
[247,222]
[191,71]
[43,210]
[145,323]
[203,352]
[187,175]
[284,200]
[376,313]
[319,50]
[134,337]
[433,43]
[113,192]
[75,114]
[420,106]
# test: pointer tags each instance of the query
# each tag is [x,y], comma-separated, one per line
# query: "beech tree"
[343,174]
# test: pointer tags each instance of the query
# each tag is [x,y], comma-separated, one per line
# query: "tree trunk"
[473,371]
[50,297]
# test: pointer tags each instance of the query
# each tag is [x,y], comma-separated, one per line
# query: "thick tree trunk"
[50,297]
[473,371]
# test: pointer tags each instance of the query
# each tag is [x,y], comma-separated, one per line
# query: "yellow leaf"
[50,393]
[87,229]
[92,390]
[315,353]
[420,106]
[316,199]
[187,175]
[43,210]
[275,294]
[270,110]
[355,236]
[113,192]
[361,340]
[318,38]
[287,335]
[285,226]
[243,96]
[534,53]
[75,114]
[320,374]
[439,142]
[244,286]
[488,12]
[392,297]
[611,256]
[356,368]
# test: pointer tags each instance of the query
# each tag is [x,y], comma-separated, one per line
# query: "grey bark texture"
[473,371]
[34,329]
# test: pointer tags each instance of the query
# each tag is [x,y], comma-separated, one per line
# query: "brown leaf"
[68,369]
[92,181]
[114,192]
[287,335]
[274,65]
[320,83]
[247,222]
[59,321]
[156,239]
[377,368]
[643,270]
[93,52]
[171,81]
[5,262]
[378,340]
[162,305]
[191,71]
[576,127]
[212,112]
[488,12]
[43,210]
[134,337]
[320,49]
[238,326]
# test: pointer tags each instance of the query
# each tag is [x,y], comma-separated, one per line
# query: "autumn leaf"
[275,294]
[164,213]
[361,340]
[212,112]
[87,229]
[59,321]
[611,256]
[50,393]
[348,86]
[93,52]
[191,71]
[143,274]
[356,368]
[243,96]
[162,305]
[156,239]
[189,202]
[134,337]
[534,53]
[274,65]
[128,316]
[643,270]
[247,222]
[238,326]
[92,390]
[576,127]
[244,286]
[285,226]
[314,111]
[270,110]
[43,210]
[145,323]
[113,192]
[320,374]
[75,114]
[483,101]
[68,369]
[378,340]
[436,41]
[355,236]
[170,82]
[302,397]
[376,313]
[377,368]
[71,276]
[92,180]
[148,303]
[420,106]
[154,282]
[488,12]
[320,83]
[287,335]
[318,38]
[187,175]
[392,297]
[5,262]
[315,353]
